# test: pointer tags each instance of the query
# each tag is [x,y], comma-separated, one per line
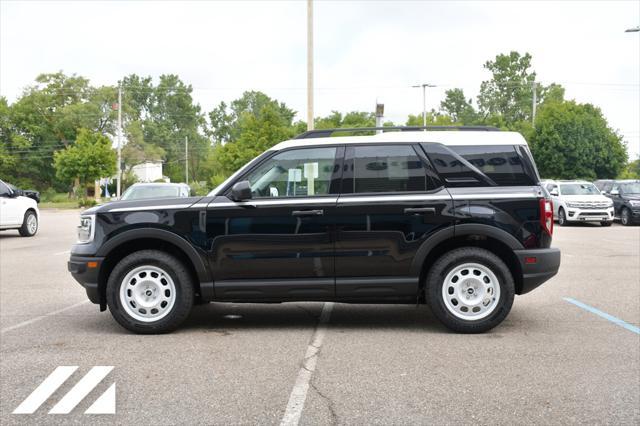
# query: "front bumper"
[86,271]
[589,215]
[538,266]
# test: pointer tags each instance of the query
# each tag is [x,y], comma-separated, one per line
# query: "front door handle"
[307,213]
[420,210]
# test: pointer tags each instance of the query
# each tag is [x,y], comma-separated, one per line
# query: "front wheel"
[150,292]
[625,217]
[606,223]
[470,290]
[29,224]
[562,217]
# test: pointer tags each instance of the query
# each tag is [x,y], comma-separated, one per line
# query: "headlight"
[635,203]
[86,230]
[573,205]
[610,204]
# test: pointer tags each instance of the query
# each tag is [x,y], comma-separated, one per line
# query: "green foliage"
[573,141]
[257,134]
[456,106]
[433,119]
[89,159]
[631,171]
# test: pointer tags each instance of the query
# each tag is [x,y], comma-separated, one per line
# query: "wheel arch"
[120,246]
[490,238]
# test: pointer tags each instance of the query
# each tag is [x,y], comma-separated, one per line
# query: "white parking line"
[41,317]
[299,393]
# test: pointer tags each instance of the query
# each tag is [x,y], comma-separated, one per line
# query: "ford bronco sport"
[454,218]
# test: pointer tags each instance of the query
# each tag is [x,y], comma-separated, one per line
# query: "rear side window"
[384,168]
[503,164]
[500,163]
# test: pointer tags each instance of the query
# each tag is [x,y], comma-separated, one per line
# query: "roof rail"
[324,133]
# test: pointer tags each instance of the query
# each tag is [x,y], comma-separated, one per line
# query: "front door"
[391,202]
[278,245]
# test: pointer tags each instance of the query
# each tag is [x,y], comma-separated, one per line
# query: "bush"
[87,202]
[199,188]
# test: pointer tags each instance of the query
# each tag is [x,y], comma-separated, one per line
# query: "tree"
[257,133]
[632,170]
[226,120]
[434,118]
[136,150]
[574,140]
[89,159]
[509,92]
[458,107]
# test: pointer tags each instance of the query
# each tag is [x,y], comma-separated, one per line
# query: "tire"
[562,217]
[29,226]
[441,301]
[606,223]
[625,217]
[168,290]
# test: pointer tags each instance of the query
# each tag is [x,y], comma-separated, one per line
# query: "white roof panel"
[456,137]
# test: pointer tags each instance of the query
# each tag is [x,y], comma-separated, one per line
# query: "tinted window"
[386,168]
[500,163]
[295,173]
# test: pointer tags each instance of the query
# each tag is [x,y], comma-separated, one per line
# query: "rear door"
[391,202]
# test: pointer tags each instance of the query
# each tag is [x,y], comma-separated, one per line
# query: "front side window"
[295,173]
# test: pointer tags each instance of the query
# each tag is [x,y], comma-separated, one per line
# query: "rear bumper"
[547,263]
[83,270]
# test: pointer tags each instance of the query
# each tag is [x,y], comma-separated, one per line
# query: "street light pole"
[310,124]
[119,169]
[424,101]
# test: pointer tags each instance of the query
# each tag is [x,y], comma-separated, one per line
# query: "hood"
[148,204]
[631,196]
[586,198]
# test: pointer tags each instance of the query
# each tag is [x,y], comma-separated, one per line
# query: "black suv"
[625,195]
[454,218]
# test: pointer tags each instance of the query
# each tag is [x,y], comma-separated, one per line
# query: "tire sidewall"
[24,230]
[435,283]
[562,217]
[177,272]
[625,217]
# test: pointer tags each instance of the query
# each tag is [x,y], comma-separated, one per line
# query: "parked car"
[142,191]
[625,195]
[34,195]
[579,201]
[18,211]
[455,219]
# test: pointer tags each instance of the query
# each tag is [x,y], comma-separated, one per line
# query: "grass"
[57,200]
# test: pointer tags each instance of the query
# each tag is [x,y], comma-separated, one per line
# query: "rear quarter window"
[503,164]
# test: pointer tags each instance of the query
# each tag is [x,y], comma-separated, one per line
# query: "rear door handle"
[307,213]
[420,210]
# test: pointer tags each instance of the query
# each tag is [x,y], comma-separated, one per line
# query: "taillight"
[546,215]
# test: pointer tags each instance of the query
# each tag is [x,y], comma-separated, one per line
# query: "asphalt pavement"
[569,352]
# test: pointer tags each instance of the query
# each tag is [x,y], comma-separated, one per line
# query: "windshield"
[150,191]
[579,189]
[630,188]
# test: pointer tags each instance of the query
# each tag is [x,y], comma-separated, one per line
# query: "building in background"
[149,171]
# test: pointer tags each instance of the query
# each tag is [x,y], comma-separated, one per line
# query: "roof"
[443,137]
[158,184]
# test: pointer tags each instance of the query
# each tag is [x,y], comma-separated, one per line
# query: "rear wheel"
[562,217]
[625,216]
[150,292]
[29,224]
[470,290]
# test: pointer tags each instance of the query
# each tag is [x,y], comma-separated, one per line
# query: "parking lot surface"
[551,361]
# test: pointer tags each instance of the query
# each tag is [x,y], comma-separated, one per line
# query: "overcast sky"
[365,50]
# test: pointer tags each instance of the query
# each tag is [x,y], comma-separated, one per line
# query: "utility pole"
[119,169]
[310,124]
[534,86]
[186,160]
[424,101]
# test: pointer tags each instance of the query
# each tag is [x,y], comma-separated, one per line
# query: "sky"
[364,50]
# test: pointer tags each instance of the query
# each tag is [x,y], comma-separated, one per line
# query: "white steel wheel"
[471,291]
[147,293]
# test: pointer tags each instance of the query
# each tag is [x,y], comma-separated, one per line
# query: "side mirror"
[241,191]
[614,192]
[554,192]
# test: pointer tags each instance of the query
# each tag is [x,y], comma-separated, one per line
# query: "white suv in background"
[579,201]
[18,212]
